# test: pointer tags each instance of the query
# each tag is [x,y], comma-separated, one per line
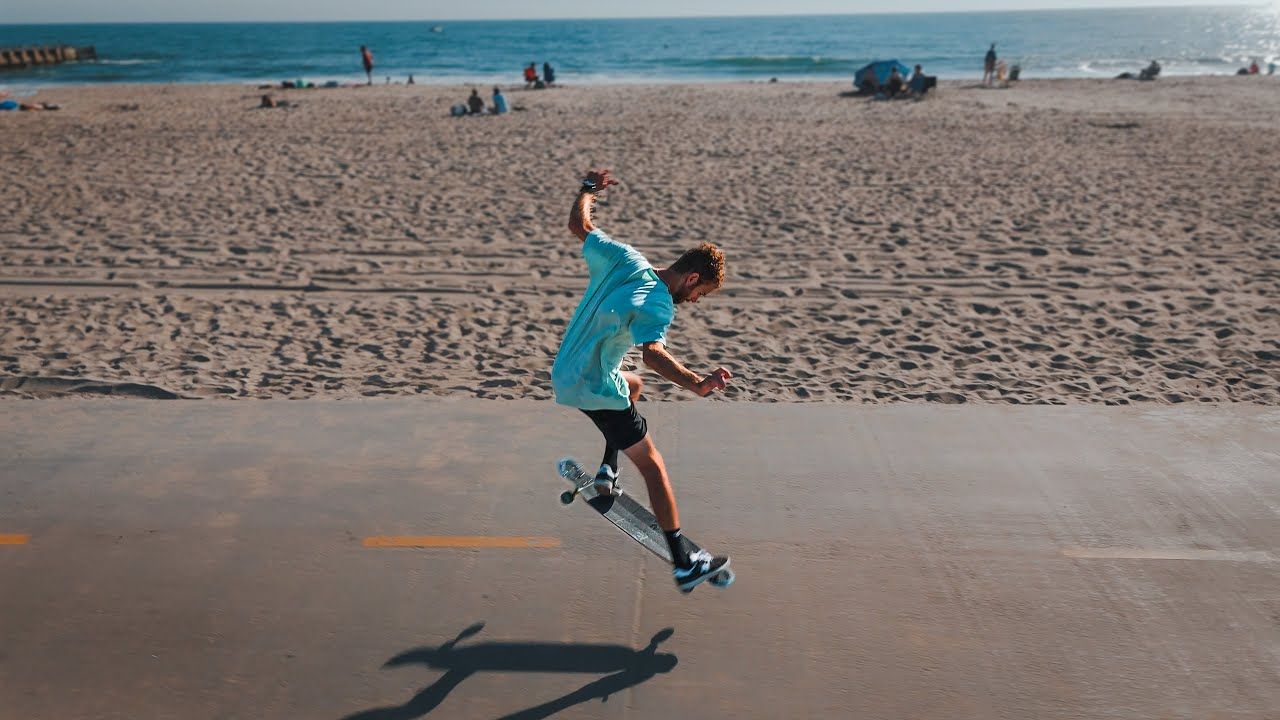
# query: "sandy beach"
[1065,241]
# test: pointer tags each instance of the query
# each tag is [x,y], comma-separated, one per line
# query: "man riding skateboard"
[629,303]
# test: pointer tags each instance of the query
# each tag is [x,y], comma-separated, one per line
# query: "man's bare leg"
[634,385]
[649,462]
[690,568]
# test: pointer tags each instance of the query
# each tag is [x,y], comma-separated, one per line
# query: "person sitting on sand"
[919,83]
[8,103]
[548,74]
[475,103]
[1150,72]
[1253,68]
[870,84]
[499,102]
[530,75]
[893,86]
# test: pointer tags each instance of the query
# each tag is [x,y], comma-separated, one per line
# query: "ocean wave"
[128,62]
[1108,66]
[798,62]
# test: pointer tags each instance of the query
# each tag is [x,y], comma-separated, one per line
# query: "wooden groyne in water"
[18,58]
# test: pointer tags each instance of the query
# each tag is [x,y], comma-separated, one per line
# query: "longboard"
[628,515]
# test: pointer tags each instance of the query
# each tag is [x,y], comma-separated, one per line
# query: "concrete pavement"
[231,560]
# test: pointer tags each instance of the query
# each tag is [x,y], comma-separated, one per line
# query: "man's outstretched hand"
[601,178]
[713,382]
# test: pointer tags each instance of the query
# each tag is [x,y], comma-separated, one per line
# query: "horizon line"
[1189,6]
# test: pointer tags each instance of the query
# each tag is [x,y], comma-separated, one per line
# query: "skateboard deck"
[628,515]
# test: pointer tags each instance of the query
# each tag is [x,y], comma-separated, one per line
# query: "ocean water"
[1068,43]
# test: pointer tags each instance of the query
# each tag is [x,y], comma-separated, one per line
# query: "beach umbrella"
[882,69]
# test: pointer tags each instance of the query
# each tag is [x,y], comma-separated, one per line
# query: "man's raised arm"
[580,215]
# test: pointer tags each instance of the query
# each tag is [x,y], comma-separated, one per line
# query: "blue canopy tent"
[882,69]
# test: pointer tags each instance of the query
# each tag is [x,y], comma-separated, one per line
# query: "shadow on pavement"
[629,667]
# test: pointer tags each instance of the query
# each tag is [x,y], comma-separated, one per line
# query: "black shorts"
[621,428]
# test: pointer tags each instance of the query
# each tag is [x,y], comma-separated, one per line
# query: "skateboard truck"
[572,471]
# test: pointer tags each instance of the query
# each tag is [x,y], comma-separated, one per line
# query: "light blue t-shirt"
[626,304]
[499,103]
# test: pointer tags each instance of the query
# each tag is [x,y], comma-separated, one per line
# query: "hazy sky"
[83,11]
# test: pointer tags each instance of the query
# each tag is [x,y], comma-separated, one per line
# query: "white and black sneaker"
[607,481]
[705,567]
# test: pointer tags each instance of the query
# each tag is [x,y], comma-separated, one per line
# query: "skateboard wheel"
[566,497]
[724,579]
[568,470]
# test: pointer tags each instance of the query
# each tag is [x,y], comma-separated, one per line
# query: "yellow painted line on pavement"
[14,539]
[460,541]
[1168,554]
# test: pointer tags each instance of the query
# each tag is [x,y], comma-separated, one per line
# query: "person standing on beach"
[989,67]
[629,303]
[367,58]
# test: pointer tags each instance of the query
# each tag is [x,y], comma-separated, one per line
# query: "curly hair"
[707,260]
